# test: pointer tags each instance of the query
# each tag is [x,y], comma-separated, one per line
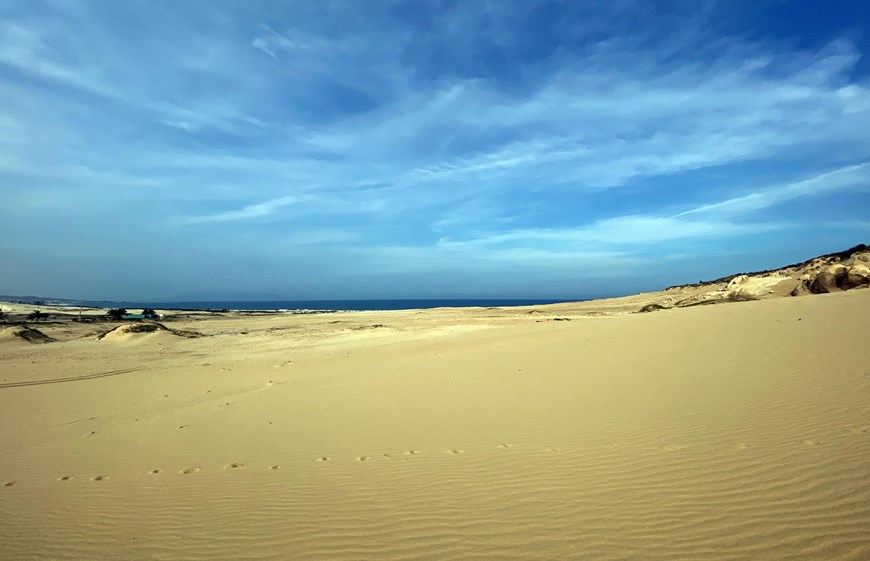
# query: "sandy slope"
[736,431]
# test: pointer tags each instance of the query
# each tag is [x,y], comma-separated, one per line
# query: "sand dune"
[737,431]
[23,334]
[140,332]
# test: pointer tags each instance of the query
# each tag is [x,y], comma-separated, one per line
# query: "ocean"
[356,305]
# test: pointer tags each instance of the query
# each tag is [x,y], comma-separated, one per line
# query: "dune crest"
[133,332]
[835,272]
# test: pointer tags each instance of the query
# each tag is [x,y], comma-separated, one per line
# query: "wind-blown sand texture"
[736,431]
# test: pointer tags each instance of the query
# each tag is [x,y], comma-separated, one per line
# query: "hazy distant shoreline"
[352,305]
[301,305]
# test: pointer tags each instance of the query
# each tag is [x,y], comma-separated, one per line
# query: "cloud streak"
[716,220]
[847,178]
[257,210]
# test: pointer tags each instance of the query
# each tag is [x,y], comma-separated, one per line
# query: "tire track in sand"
[69,379]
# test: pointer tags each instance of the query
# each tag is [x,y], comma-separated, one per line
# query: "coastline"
[297,306]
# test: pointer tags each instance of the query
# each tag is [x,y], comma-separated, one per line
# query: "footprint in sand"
[362,458]
[64,478]
[190,470]
[154,471]
[386,456]
[99,478]
[859,430]
[10,483]
[456,451]
[323,459]
[412,452]
[552,449]
[505,445]
[276,466]
[234,465]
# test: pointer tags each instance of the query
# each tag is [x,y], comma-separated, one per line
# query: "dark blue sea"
[412,304]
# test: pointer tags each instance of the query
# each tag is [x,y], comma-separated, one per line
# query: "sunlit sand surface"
[736,431]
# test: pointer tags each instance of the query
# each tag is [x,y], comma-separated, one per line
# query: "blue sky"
[303,150]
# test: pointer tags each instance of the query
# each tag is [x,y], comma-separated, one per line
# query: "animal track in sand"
[663,446]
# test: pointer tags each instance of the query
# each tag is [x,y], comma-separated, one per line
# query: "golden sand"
[575,431]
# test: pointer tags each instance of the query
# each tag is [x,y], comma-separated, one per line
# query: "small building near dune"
[147,313]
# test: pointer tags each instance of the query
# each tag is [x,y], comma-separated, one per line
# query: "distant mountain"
[41,300]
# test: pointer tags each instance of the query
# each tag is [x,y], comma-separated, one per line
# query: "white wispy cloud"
[620,231]
[273,43]
[256,210]
[717,220]
[504,159]
[30,50]
[596,126]
[56,53]
[849,177]
[221,117]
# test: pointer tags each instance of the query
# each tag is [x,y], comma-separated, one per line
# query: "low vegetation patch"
[150,327]
[652,308]
[735,297]
[33,335]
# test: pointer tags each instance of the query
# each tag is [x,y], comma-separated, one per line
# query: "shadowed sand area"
[735,431]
